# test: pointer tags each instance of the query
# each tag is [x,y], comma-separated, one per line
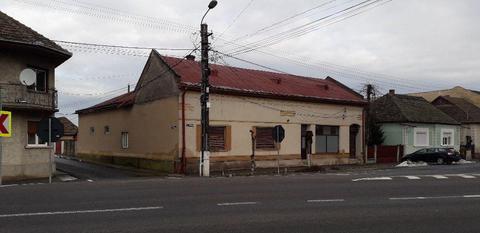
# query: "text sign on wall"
[5,124]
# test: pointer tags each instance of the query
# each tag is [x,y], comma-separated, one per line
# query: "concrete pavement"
[309,202]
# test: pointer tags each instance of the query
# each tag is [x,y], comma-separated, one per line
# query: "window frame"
[452,137]
[124,140]
[106,130]
[34,87]
[337,135]
[421,130]
[37,139]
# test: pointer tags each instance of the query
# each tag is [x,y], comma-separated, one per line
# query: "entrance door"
[303,141]
[354,129]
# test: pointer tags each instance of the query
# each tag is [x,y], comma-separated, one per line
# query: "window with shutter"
[264,138]
[216,139]
[32,138]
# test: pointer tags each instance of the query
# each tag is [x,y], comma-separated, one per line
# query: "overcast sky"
[407,45]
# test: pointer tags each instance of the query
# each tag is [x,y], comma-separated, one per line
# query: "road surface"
[431,199]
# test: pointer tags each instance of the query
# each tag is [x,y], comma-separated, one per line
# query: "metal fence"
[20,96]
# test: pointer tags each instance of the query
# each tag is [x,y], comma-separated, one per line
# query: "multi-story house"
[24,154]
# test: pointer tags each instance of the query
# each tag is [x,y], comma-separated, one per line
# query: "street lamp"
[204,165]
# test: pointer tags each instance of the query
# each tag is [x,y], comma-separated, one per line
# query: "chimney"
[391,92]
[190,57]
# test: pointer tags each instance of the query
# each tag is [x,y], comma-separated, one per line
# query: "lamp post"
[204,165]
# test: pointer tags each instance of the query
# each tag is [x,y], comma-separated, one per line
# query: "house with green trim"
[414,123]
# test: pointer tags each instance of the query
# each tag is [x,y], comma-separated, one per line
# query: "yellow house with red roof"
[158,124]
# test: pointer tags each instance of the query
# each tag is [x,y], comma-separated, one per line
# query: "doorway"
[354,129]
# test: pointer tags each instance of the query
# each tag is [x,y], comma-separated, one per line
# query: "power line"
[236,18]
[306,28]
[104,13]
[119,46]
[276,24]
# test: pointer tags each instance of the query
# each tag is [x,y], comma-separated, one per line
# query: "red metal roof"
[263,82]
[233,80]
[120,101]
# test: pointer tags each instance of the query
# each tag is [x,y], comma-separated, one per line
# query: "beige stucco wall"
[19,160]
[244,113]
[152,129]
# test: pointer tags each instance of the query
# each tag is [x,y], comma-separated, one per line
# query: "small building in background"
[158,124]
[25,155]
[467,114]
[471,96]
[67,144]
[414,123]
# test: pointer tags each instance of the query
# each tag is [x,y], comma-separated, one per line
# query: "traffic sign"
[5,124]
[56,129]
[278,134]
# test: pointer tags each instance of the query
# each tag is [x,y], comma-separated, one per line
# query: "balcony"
[18,96]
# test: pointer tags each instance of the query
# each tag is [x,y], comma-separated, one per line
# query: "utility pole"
[204,99]
[204,165]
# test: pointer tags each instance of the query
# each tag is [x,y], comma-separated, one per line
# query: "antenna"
[28,77]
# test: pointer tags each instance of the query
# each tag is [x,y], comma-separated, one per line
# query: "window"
[106,130]
[33,139]
[219,138]
[124,140]
[92,130]
[421,137]
[264,138]
[41,83]
[216,138]
[447,137]
[327,139]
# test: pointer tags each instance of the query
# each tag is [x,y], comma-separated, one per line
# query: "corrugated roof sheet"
[240,80]
[257,81]
[13,31]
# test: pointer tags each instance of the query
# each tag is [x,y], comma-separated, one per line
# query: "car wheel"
[440,161]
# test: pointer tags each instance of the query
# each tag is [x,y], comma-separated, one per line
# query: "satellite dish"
[28,77]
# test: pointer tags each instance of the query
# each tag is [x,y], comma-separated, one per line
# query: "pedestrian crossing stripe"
[418,177]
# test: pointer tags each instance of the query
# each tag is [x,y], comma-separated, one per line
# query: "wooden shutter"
[264,138]
[216,138]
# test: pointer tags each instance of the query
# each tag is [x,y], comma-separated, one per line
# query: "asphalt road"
[430,199]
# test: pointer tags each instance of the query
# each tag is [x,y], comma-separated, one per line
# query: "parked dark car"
[434,155]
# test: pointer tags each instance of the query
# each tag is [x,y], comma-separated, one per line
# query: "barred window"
[264,138]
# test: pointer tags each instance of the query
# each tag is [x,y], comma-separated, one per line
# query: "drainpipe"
[364,141]
[184,158]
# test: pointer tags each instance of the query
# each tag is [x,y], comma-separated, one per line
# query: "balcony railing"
[20,97]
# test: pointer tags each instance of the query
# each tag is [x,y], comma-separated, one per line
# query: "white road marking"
[237,203]
[439,177]
[372,178]
[467,176]
[413,177]
[90,180]
[80,212]
[8,185]
[326,200]
[434,197]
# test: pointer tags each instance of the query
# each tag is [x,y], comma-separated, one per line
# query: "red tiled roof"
[124,100]
[15,32]
[263,82]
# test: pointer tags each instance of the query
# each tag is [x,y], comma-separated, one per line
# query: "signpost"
[278,135]
[50,130]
